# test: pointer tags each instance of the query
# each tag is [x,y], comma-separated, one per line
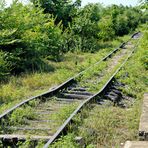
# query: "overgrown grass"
[18,88]
[98,75]
[21,87]
[20,115]
[59,117]
[64,113]
[108,126]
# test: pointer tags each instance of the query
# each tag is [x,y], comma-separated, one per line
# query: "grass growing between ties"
[26,115]
[95,77]
[26,112]
[59,117]
[21,87]
[20,115]
[110,126]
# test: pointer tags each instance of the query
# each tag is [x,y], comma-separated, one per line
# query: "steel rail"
[83,104]
[63,85]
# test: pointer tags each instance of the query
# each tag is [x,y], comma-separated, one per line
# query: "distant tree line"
[49,28]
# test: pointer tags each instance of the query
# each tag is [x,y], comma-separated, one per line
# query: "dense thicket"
[63,10]
[26,36]
[30,33]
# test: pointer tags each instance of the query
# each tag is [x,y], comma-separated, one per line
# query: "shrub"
[106,29]
[27,35]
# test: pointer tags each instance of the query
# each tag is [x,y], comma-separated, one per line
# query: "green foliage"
[63,10]
[20,115]
[4,66]
[122,25]
[105,26]
[29,34]
[65,142]
[124,19]
[84,28]
[26,144]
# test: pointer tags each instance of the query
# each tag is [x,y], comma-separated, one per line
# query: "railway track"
[41,117]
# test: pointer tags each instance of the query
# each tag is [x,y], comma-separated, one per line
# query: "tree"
[84,28]
[106,31]
[63,10]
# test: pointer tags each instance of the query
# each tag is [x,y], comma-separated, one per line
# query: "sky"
[109,2]
[105,2]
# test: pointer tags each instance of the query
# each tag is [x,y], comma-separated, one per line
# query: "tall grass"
[108,126]
[21,87]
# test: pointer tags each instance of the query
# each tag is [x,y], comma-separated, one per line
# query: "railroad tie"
[43,112]
[77,88]
[117,92]
[75,96]
[66,100]
[23,137]
[39,121]
[79,92]
[27,128]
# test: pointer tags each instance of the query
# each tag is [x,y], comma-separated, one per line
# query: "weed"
[20,115]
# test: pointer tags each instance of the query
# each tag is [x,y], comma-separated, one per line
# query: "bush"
[84,28]
[28,35]
[106,29]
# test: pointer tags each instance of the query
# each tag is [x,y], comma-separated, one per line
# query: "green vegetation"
[95,77]
[64,113]
[20,115]
[45,42]
[108,126]
[20,87]
[41,47]
[34,33]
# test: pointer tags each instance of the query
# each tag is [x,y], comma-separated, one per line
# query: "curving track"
[43,114]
